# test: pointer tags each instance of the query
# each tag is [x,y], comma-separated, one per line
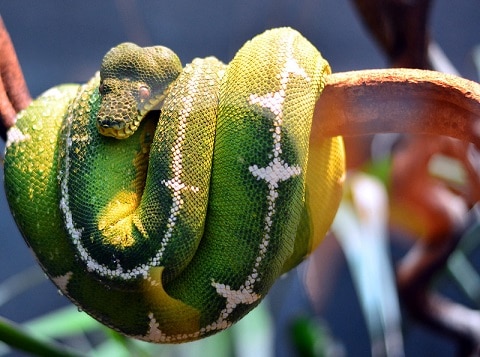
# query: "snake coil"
[180,229]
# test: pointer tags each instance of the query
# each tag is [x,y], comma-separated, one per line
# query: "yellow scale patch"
[183,320]
[116,219]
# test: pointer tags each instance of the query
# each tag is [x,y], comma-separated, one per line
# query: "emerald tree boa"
[165,201]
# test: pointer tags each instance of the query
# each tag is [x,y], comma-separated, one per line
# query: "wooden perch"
[14,94]
[398,100]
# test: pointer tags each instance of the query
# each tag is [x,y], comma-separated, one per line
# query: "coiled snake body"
[180,229]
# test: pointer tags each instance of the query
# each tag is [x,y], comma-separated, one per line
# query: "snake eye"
[143,93]
[101,88]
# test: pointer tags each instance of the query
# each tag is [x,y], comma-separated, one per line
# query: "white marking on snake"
[75,233]
[15,136]
[176,184]
[276,171]
[62,280]
[155,334]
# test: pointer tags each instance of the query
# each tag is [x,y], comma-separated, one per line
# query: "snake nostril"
[105,123]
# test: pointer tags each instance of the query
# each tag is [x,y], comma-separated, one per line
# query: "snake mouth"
[116,133]
[115,128]
[110,123]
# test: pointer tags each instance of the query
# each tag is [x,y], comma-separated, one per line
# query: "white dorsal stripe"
[175,184]
[276,171]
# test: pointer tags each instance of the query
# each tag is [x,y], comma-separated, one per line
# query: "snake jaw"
[119,115]
[116,130]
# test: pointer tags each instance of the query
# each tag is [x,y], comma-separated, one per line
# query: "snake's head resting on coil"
[133,81]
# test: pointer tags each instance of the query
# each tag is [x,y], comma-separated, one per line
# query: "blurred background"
[59,42]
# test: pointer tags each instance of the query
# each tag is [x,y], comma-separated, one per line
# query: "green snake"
[179,229]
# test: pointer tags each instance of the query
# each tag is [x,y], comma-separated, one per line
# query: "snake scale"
[165,201]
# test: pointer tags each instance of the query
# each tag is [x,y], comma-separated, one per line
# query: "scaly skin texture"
[186,248]
[125,103]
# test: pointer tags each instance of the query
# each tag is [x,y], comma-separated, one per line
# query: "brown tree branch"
[14,94]
[398,100]
[400,28]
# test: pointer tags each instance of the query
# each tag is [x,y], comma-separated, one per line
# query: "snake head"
[133,81]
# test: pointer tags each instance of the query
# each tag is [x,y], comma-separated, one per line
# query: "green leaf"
[19,338]
[63,322]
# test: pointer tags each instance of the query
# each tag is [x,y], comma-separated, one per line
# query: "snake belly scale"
[165,201]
